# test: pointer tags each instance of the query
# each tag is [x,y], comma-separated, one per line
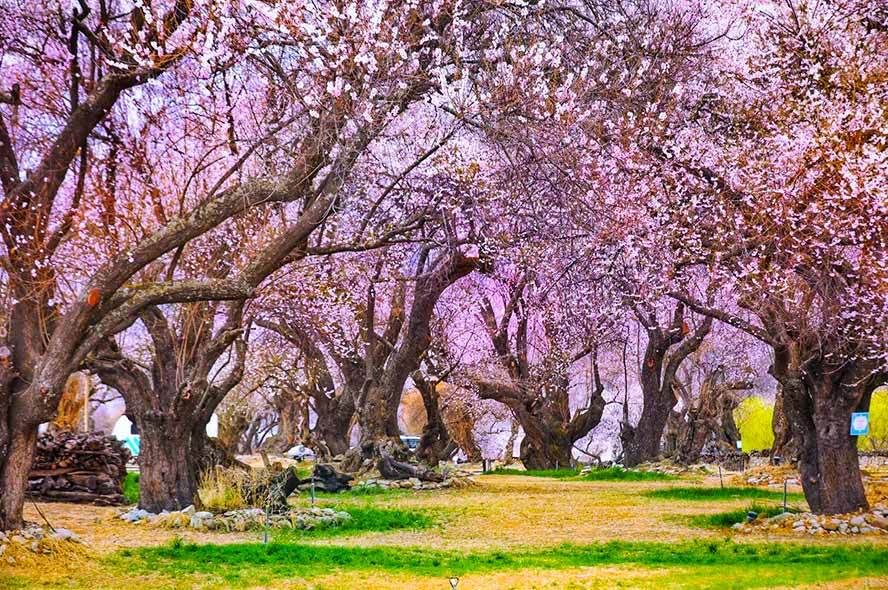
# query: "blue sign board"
[860,424]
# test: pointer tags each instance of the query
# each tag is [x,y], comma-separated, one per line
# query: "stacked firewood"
[85,468]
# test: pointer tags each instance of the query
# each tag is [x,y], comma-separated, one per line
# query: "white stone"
[64,535]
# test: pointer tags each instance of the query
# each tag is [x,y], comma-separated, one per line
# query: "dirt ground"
[501,512]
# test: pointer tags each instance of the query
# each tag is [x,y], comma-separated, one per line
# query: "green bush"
[877,440]
[753,417]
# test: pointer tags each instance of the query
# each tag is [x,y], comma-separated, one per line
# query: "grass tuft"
[360,491]
[729,493]
[623,474]
[131,488]
[604,474]
[723,520]
[240,564]
[364,519]
[556,473]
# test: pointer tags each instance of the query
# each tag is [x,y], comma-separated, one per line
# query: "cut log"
[328,479]
[83,498]
[87,468]
[390,468]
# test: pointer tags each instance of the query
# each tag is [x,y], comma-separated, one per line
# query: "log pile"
[83,468]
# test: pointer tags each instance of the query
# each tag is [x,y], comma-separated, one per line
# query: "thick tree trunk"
[783,449]
[711,420]
[335,417]
[435,444]
[14,475]
[378,421]
[828,461]
[289,426]
[509,451]
[333,434]
[168,478]
[549,451]
[642,443]
[662,359]
[837,472]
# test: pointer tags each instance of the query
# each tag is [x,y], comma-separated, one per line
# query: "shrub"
[877,440]
[223,489]
[753,417]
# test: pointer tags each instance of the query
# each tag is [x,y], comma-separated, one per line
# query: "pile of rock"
[74,467]
[767,475]
[874,522]
[239,520]
[32,539]
[669,467]
[450,476]
[413,483]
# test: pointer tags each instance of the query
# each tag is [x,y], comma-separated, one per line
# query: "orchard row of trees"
[492,195]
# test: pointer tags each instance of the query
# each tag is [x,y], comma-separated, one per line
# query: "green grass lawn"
[363,519]
[735,565]
[730,493]
[732,517]
[621,474]
[619,528]
[131,488]
[556,473]
[604,474]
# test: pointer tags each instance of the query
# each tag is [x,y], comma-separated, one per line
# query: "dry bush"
[222,489]
[50,552]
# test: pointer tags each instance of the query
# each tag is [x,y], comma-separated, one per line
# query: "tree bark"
[509,451]
[392,358]
[818,406]
[14,475]
[552,449]
[783,448]
[711,419]
[333,424]
[435,444]
[168,480]
[661,361]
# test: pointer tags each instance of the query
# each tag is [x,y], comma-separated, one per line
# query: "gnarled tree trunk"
[14,472]
[173,404]
[661,361]
[388,367]
[818,408]
[783,449]
[541,408]
[168,478]
[711,419]
[435,444]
